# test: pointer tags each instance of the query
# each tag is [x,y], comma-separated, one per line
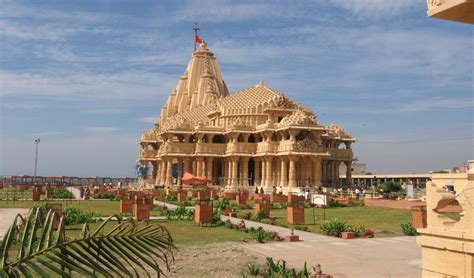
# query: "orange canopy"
[188,178]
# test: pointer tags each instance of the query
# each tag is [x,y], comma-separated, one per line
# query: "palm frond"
[129,248]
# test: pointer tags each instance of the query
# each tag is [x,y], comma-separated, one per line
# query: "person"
[81,192]
[256,190]
[281,190]
[274,190]
[357,192]
[261,190]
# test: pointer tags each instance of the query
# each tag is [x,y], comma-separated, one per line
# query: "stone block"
[126,206]
[241,199]
[263,206]
[292,238]
[23,187]
[203,213]
[49,193]
[182,196]
[295,215]
[278,198]
[418,216]
[348,235]
[141,211]
[203,195]
[36,196]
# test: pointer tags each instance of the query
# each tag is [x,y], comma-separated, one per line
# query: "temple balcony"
[211,148]
[178,148]
[148,154]
[454,10]
[148,136]
[241,148]
[267,147]
[340,154]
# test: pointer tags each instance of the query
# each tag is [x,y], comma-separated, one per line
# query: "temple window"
[252,138]
[219,139]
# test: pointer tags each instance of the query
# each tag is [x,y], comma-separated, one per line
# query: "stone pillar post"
[277,172]
[269,175]
[292,173]
[256,178]
[264,169]
[317,172]
[158,169]
[348,173]
[154,173]
[283,173]
[199,165]
[194,167]
[210,167]
[163,171]
[169,172]
[336,170]
[244,167]
[235,181]
[180,171]
[186,165]
[309,172]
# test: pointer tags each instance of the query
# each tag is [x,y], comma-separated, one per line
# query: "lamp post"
[37,141]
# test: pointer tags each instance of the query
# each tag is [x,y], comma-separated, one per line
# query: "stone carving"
[299,118]
[306,145]
[238,123]
[435,3]
[176,122]
[335,130]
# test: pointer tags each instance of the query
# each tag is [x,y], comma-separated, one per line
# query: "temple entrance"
[218,174]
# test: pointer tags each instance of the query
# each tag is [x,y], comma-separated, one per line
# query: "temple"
[257,137]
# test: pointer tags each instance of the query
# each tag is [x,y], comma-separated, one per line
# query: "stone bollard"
[418,216]
[295,209]
[263,204]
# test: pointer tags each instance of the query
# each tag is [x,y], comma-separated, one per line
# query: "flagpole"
[196,30]
[36,157]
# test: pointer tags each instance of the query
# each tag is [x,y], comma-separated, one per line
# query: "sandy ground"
[213,260]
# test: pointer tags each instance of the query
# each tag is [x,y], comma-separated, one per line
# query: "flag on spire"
[197,39]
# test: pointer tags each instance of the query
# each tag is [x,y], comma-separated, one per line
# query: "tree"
[389,187]
[33,247]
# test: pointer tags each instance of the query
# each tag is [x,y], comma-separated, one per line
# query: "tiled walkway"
[6,218]
[375,257]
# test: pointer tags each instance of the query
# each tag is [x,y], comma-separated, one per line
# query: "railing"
[248,148]
[340,153]
[211,148]
[184,148]
[267,147]
[148,153]
[286,146]
[148,137]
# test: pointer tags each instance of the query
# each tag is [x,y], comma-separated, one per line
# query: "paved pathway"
[6,218]
[375,257]
[168,205]
[75,191]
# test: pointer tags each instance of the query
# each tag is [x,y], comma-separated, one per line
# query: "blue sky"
[88,76]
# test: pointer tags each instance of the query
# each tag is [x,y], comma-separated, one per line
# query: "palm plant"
[33,247]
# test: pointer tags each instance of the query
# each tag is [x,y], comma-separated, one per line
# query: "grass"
[101,207]
[383,221]
[183,232]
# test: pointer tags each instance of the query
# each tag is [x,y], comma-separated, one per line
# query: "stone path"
[6,218]
[75,191]
[170,206]
[375,257]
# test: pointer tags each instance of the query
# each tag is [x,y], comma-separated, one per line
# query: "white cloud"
[375,8]
[101,129]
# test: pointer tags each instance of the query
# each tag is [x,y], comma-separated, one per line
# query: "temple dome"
[201,84]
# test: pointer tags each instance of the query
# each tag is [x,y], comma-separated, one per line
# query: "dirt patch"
[213,260]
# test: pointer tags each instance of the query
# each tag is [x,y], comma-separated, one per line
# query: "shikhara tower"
[255,137]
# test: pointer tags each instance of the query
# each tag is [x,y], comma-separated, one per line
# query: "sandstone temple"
[256,137]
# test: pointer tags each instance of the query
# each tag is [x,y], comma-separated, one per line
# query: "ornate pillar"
[269,175]
[348,173]
[245,172]
[292,173]
[309,172]
[210,167]
[180,171]
[317,175]
[264,169]
[235,181]
[277,172]
[169,172]
[199,166]
[154,173]
[283,173]
[336,170]
[194,167]
[256,178]
[158,172]
[163,171]
[186,165]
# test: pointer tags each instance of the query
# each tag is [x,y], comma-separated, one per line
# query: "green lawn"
[184,232]
[383,221]
[101,207]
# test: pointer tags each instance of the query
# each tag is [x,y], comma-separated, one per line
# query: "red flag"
[197,39]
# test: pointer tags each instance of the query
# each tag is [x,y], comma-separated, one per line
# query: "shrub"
[301,228]
[334,227]
[109,196]
[408,229]
[261,236]
[180,213]
[367,234]
[388,187]
[402,194]
[357,230]
[77,216]
[334,203]
[222,204]
[253,269]
[259,216]
[247,216]
[62,194]
[358,202]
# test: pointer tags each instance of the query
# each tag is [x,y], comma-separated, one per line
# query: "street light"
[37,141]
